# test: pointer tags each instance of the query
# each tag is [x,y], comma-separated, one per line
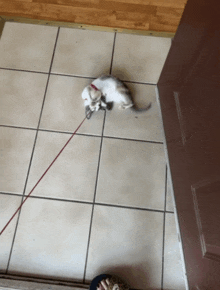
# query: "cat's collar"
[94,87]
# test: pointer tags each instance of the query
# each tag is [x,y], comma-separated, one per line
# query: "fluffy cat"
[104,91]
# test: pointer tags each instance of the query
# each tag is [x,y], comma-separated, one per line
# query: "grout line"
[113,50]
[51,73]
[48,77]
[72,76]
[16,226]
[99,157]
[23,70]
[18,127]
[130,207]
[70,133]
[164,224]
[130,139]
[87,202]
[97,175]
[75,76]
[86,77]
[32,154]
[83,134]
[93,204]
[168,211]
[165,195]
[162,272]
[11,193]
[140,83]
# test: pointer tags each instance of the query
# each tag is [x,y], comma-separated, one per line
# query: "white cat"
[103,92]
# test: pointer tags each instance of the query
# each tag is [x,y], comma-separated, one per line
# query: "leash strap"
[41,178]
[94,87]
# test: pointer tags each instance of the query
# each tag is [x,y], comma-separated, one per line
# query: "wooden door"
[189,95]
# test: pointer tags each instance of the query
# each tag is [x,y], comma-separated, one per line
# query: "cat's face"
[92,98]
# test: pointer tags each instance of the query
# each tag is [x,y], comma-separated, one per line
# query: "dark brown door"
[189,94]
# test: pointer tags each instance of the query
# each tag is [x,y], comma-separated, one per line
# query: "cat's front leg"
[88,112]
[124,106]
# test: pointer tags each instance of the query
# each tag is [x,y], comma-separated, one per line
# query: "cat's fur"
[108,90]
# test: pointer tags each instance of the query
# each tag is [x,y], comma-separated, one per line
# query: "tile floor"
[105,205]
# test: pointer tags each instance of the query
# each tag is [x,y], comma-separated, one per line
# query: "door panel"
[189,95]
[204,197]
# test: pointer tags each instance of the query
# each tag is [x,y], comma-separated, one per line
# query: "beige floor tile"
[8,206]
[51,239]
[52,235]
[27,46]
[64,107]
[128,243]
[139,58]
[73,175]
[169,202]
[132,174]
[144,125]
[173,271]
[83,52]
[21,97]
[15,147]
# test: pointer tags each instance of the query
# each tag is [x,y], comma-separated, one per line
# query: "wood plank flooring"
[144,15]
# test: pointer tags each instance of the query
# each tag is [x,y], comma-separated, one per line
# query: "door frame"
[169,177]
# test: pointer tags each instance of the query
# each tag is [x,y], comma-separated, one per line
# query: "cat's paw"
[109,106]
[88,112]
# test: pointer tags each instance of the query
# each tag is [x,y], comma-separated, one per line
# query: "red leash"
[41,178]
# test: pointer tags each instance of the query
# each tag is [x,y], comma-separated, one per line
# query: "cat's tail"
[136,109]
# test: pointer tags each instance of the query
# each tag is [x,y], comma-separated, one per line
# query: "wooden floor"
[144,15]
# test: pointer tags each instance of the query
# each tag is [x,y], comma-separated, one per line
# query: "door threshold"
[13,282]
[86,26]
